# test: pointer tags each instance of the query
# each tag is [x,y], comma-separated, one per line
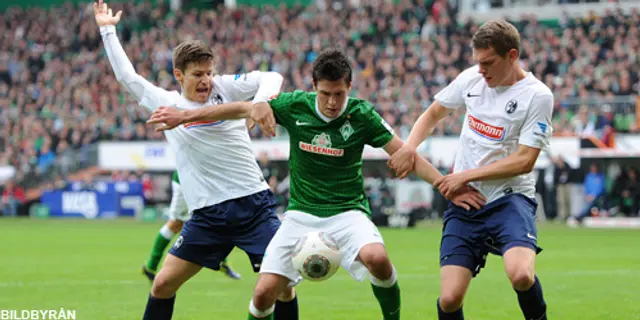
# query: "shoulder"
[359,106]
[297,96]
[541,92]
[469,75]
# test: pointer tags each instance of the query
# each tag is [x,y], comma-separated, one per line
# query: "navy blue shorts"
[248,223]
[469,236]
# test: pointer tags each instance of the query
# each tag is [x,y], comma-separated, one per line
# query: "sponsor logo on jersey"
[321,144]
[543,129]
[486,130]
[200,124]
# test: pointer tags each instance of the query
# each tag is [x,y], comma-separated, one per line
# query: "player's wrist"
[187,116]
[107,28]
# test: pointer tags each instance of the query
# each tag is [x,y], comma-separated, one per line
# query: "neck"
[517,75]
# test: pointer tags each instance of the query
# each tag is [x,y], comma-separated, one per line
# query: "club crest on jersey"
[321,144]
[486,130]
[346,130]
[511,106]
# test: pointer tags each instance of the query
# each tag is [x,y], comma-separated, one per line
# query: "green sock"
[269,317]
[389,299]
[162,241]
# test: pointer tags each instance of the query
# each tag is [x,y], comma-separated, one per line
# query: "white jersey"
[497,121]
[215,160]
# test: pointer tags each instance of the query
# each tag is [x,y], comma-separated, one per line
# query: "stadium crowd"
[58,95]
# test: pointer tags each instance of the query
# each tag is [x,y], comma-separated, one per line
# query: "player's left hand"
[169,116]
[450,184]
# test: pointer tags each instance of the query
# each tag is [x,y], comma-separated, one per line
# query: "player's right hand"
[169,116]
[402,161]
[468,198]
[262,115]
[104,15]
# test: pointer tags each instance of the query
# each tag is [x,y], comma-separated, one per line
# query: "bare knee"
[267,290]
[175,226]
[163,287]
[521,277]
[375,258]
[287,294]
[451,301]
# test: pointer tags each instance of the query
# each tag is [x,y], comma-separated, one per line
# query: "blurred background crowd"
[58,94]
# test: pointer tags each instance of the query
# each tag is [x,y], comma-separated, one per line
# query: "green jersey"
[325,155]
[175,177]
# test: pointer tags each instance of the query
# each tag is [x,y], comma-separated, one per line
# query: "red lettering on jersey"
[486,130]
[201,124]
[321,150]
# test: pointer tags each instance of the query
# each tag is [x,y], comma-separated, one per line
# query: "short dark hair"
[189,52]
[498,34]
[332,65]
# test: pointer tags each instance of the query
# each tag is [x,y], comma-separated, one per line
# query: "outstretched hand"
[104,15]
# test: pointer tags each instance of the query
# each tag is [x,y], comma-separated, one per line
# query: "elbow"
[526,166]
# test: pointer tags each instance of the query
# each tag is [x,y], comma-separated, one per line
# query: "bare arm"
[423,168]
[172,117]
[426,123]
[520,162]
[426,171]
[403,161]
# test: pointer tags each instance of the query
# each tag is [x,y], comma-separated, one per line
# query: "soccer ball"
[316,256]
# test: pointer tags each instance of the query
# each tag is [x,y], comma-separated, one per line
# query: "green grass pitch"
[94,268]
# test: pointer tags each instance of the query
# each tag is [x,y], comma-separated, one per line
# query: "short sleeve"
[537,129]
[378,131]
[452,96]
[281,105]
[239,87]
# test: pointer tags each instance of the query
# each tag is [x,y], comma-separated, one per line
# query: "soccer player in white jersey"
[508,122]
[223,186]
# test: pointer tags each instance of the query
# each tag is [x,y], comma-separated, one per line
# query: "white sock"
[260,314]
[385,283]
[166,232]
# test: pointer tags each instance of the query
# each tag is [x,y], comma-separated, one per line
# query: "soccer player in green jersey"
[178,214]
[328,131]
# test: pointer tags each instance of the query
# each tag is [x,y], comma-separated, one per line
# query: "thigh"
[176,271]
[178,209]
[513,224]
[254,223]
[277,258]
[462,242]
[353,230]
[200,243]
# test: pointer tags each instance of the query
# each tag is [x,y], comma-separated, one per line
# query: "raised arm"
[141,89]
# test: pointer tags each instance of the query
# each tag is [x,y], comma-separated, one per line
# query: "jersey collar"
[327,119]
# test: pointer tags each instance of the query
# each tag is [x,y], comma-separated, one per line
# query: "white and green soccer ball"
[316,256]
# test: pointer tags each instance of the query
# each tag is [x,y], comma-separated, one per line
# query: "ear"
[177,73]
[349,87]
[513,54]
[314,85]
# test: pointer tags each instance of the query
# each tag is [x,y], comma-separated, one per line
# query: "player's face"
[196,80]
[495,69]
[331,96]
